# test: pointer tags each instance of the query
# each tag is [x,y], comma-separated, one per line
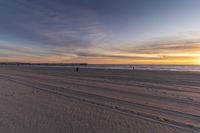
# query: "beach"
[61,100]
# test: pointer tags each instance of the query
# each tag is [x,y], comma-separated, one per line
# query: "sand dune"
[59,100]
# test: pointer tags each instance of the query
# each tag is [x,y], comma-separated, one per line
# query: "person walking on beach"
[77,69]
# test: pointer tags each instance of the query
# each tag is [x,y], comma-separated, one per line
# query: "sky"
[100,31]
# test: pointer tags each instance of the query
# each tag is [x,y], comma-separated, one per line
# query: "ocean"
[141,67]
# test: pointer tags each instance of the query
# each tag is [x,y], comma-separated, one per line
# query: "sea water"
[141,67]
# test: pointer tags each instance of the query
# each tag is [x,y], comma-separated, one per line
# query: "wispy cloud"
[59,31]
[153,51]
[51,23]
[167,46]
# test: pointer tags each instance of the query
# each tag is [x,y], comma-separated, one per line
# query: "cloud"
[72,31]
[169,47]
[50,23]
[116,56]
[160,51]
[164,46]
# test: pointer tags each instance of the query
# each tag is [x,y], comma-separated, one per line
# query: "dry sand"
[59,100]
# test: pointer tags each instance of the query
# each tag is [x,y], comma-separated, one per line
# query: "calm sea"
[144,67]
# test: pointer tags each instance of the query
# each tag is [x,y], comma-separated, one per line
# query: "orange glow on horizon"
[175,61]
[122,58]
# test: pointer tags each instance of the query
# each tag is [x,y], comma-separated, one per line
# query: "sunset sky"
[100,31]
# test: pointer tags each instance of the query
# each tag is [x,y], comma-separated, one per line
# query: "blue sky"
[98,31]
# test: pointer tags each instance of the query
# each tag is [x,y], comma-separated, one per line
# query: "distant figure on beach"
[133,68]
[77,69]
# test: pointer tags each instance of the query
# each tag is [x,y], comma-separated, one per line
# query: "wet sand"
[60,100]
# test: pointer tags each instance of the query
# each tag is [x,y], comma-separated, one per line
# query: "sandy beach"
[60,100]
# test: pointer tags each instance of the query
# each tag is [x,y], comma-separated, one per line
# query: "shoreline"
[144,68]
